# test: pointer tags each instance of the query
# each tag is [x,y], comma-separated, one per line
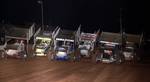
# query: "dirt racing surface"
[40,69]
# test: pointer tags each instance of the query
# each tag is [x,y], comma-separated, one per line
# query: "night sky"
[91,14]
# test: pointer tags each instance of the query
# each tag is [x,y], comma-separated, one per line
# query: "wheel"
[52,57]
[3,55]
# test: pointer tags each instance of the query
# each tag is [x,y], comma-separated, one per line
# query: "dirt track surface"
[41,70]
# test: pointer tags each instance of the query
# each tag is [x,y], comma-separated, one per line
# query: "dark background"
[91,14]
